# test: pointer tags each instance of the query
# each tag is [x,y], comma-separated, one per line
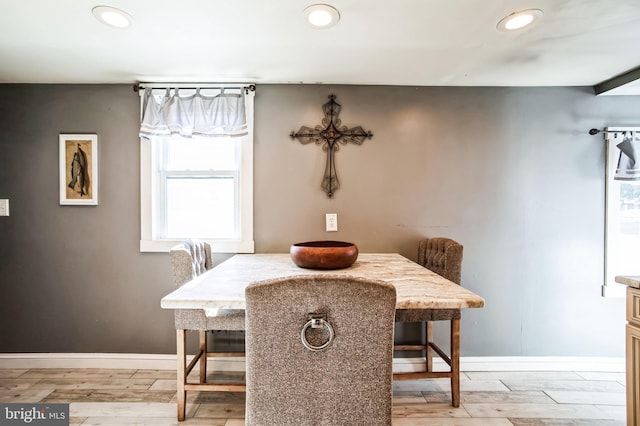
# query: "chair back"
[189,259]
[442,256]
[291,379]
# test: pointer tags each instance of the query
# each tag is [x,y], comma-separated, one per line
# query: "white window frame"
[610,288]
[244,243]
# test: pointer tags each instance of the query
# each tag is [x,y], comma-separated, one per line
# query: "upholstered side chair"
[444,257]
[188,260]
[319,351]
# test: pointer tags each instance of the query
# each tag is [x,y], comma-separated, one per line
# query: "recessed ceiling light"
[321,15]
[111,16]
[519,20]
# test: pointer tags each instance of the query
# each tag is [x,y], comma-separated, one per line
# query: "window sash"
[164,202]
[204,217]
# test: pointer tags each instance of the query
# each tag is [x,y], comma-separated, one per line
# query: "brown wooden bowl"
[324,254]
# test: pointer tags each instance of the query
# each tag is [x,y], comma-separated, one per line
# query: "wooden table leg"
[181,340]
[203,358]
[455,362]
[428,341]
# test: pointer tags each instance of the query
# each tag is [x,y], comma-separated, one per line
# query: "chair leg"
[203,358]
[428,325]
[181,340]
[455,362]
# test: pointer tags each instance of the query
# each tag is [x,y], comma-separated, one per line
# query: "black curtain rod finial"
[596,131]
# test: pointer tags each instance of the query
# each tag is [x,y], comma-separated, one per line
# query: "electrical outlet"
[4,207]
[332,222]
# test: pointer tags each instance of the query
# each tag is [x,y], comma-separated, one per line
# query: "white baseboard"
[516,363]
[400,365]
[88,360]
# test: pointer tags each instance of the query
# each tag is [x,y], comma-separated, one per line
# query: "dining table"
[416,287]
[223,287]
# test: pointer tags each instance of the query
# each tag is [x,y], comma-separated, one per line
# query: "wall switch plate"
[332,222]
[4,207]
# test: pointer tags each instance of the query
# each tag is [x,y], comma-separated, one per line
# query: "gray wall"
[509,172]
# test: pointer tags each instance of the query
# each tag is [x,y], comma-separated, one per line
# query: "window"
[198,187]
[622,237]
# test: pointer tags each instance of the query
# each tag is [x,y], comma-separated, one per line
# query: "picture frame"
[78,169]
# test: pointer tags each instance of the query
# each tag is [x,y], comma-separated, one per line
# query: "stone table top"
[416,287]
[630,280]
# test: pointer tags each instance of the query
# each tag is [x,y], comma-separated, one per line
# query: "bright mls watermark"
[34,414]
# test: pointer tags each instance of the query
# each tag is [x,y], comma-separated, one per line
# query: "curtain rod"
[596,131]
[140,86]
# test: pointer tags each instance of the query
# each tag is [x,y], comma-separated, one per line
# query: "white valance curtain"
[191,113]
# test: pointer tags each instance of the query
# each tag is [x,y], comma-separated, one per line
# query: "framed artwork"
[79,169]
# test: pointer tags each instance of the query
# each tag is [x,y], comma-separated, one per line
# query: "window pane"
[201,208]
[199,153]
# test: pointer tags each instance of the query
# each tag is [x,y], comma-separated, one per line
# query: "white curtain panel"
[167,112]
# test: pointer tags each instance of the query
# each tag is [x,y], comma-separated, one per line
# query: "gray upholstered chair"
[444,257]
[188,260]
[347,383]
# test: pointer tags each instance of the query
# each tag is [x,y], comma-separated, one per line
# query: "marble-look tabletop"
[630,280]
[416,287]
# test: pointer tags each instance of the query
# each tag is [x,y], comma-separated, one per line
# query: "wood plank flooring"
[148,397]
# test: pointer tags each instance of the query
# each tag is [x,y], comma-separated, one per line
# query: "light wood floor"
[147,397]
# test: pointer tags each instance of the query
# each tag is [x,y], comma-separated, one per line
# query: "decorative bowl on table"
[324,254]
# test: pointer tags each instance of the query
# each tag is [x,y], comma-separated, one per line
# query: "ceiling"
[380,42]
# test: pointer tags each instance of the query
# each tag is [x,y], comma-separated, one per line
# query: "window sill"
[163,246]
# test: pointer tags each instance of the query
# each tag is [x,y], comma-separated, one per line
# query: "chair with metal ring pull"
[188,260]
[444,257]
[319,351]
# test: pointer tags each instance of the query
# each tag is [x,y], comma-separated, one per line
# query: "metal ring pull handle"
[316,321]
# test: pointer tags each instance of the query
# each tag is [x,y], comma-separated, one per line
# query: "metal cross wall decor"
[330,134]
